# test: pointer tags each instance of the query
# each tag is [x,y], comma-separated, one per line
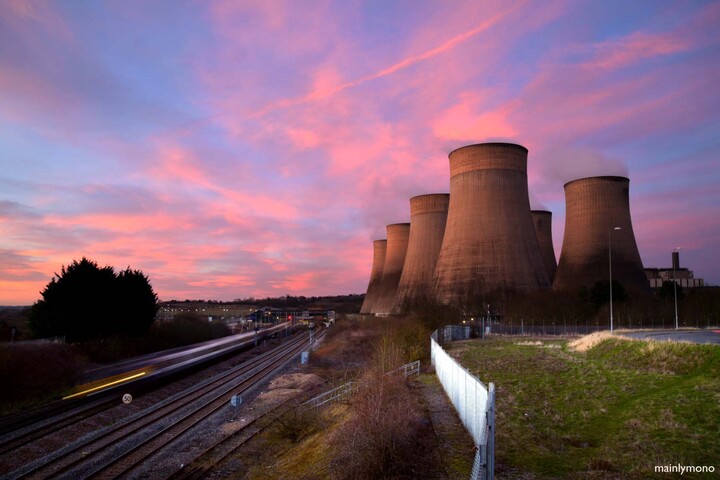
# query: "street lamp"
[675,287]
[610,263]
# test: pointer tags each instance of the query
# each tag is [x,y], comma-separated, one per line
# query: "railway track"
[23,428]
[115,451]
[45,422]
[219,451]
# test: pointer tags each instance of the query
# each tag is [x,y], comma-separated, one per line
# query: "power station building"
[542,221]
[682,276]
[398,235]
[373,290]
[482,238]
[599,235]
[490,242]
[428,216]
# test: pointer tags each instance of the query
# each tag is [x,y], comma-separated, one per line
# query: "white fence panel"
[470,398]
[466,392]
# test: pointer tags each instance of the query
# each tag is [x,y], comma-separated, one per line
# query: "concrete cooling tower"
[379,249]
[542,221]
[398,235]
[489,241]
[428,215]
[594,207]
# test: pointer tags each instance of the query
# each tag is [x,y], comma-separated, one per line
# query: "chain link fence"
[474,402]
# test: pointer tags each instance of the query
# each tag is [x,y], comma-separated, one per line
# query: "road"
[694,336]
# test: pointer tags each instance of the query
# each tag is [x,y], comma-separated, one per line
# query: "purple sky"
[256,148]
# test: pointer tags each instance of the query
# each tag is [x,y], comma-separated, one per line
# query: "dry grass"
[583,344]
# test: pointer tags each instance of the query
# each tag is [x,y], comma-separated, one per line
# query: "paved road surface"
[695,336]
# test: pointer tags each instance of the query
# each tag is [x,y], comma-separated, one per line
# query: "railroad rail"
[19,429]
[115,451]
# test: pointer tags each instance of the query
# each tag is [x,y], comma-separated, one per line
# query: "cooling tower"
[428,215]
[397,242]
[593,208]
[542,221]
[379,249]
[489,241]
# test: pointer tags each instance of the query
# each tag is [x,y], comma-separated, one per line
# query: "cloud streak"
[255,148]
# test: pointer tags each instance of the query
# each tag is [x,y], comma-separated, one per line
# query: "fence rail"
[338,393]
[335,394]
[412,368]
[475,404]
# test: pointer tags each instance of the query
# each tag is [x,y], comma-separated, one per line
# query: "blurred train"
[154,366]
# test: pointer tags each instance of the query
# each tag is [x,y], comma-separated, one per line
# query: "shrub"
[297,424]
[379,439]
[33,373]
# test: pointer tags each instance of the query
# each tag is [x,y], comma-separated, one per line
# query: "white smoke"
[567,164]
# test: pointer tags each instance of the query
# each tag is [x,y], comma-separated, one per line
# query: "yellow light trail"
[89,390]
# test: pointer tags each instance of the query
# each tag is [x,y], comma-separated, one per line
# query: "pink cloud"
[39,13]
[307,136]
[636,47]
[470,121]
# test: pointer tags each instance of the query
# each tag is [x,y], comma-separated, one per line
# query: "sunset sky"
[256,148]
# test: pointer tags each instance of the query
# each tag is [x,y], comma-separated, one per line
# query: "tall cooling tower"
[379,249]
[542,221]
[593,208]
[428,215]
[397,242]
[489,241]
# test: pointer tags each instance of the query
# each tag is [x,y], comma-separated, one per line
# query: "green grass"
[616,410]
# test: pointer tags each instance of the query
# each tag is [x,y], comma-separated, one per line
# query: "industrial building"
[398,235]
[542,221]
[682,276]
[490,242]
[428,216]
[599,236]
[482,238]
[373,290]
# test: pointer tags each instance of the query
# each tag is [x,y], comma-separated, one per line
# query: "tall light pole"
[675,287]
[610,263]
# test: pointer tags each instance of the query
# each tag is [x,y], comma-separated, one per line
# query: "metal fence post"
[491,432]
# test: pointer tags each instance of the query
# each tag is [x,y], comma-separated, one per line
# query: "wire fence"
[343,391]
[474,402]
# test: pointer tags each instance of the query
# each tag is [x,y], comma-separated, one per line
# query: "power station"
[489,241]
[482,238]
[428,216]
[542,221]
[373,290]
[599,236]
[398,235]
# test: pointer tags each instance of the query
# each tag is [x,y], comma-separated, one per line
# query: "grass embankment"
[615,410]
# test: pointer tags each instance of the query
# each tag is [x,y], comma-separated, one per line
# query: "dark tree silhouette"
[86,301]
[600,293]
[137,303]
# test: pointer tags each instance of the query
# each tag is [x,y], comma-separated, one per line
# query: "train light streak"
[100,387]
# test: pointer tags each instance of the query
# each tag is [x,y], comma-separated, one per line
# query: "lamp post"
[610,264]
[675,288]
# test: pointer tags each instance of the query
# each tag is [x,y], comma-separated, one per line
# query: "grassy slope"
[614,411]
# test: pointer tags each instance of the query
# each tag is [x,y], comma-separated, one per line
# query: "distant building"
[682,276]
